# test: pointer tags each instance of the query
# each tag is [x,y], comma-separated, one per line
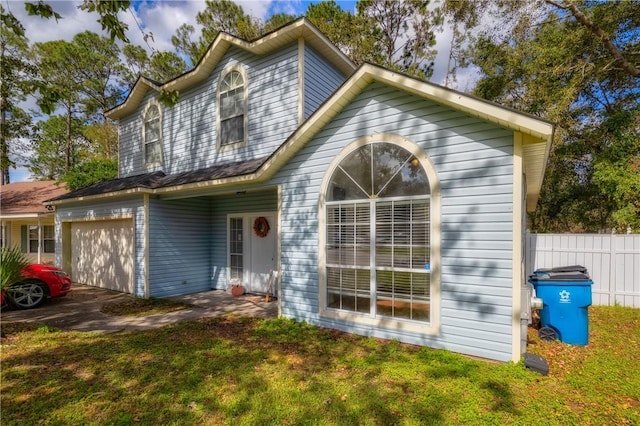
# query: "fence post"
[613,288]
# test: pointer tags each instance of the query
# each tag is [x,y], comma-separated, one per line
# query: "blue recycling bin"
[566,297]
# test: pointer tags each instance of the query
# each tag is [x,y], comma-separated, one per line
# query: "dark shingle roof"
[216,172]
[147,180]
[159,179]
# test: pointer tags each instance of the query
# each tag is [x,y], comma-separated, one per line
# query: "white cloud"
[161,19]
[257,9]
[465,78]
[39,29]
[443,44]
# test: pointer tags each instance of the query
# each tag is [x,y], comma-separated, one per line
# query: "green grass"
[241,371]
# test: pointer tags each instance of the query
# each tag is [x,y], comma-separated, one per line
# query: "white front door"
[252,255]
[263,254]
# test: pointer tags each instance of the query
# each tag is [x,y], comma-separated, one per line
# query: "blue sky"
[301,6]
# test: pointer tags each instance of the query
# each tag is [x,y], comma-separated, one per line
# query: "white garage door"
[102,254]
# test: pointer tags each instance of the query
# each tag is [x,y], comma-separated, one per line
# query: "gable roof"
[537,134]
[25,199]
[301,28]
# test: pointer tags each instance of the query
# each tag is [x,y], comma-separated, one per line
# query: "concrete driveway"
[80,310]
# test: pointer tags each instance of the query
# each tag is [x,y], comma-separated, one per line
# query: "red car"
[39,283]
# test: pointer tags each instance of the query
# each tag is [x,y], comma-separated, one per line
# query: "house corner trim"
[301,72]
[516,254]
[146,247]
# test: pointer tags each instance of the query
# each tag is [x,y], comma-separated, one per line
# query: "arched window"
[152,136]
[232,109]
[378,234]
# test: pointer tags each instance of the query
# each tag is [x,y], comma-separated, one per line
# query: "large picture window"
[378,234]
[232,109]
[152,136]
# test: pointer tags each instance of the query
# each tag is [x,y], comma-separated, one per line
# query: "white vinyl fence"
[613,262]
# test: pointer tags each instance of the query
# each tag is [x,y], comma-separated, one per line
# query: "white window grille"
[378,234]
[152,136]
[232,109]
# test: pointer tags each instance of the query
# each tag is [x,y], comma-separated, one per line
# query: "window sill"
[382,322]
[149,166]
[231,146]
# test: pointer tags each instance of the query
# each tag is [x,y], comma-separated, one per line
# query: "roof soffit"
[480,108]
[135,97]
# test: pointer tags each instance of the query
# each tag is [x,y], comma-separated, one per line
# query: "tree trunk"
[4,149]
[67,148]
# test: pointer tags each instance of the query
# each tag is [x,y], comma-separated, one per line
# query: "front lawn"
[247,371]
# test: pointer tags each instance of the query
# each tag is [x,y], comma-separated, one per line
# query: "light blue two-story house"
[388,206]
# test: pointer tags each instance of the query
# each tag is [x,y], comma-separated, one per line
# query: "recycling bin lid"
[571,268]
[559,276]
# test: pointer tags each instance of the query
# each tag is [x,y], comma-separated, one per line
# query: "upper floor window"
[232,109]
[152,136]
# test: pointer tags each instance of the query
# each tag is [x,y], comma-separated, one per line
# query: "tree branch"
[601,34]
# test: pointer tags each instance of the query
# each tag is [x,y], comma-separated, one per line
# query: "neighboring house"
[26,222]
[389,206]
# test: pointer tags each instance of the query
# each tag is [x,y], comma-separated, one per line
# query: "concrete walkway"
[80,310]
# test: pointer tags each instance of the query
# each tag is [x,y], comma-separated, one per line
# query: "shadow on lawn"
[228,370]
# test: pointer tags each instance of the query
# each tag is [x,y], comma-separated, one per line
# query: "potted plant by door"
[237,290]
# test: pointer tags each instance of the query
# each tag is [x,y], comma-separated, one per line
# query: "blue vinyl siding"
[249,202]
[189,128]
[321,79]
[106,210]
[179,246]
[130,144]
[473,161]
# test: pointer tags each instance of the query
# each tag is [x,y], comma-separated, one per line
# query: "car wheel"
[27,294]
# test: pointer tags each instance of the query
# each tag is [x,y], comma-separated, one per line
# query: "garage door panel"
[102,254]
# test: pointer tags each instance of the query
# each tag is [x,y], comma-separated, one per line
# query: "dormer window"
[152,136]
[232,109]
